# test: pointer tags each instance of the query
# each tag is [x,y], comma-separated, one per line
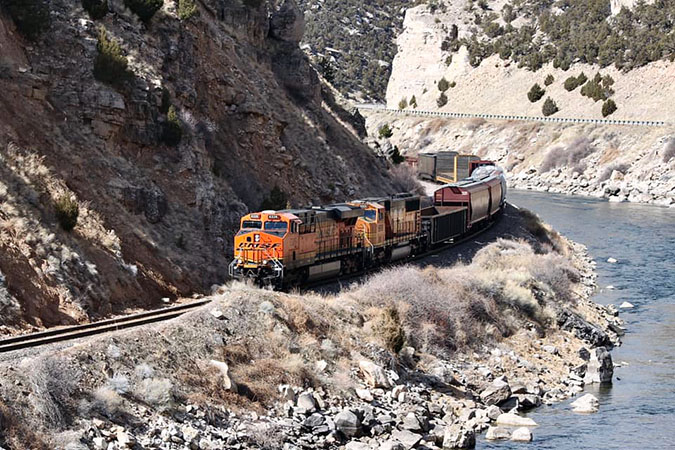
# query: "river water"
[638,410]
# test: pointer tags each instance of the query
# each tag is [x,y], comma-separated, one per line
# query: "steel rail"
[94,328]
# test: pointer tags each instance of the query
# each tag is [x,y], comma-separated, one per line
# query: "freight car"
[294,246]
[446,166]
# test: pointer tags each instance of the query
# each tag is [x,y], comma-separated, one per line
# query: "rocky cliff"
[156,210]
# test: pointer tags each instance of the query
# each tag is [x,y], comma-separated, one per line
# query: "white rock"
[306,400]
[521,434]
[600,368]
[228,383]
[586,404]
[497,433]
[612,260]
[374,375]
[626,305]
[364,394]
[100,443]
[514,420]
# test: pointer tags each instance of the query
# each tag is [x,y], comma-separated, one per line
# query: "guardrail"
[453,115]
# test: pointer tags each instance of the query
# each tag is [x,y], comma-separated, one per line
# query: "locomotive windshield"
[370,214]
[255,224]
[276,228]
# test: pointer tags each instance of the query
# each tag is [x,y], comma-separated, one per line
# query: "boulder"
[495,394]
[411,422]
[356,445]
[456,436]
[493,412]
[364,394]
[227,382]
[392,445]
[407,438]
[599,368]
[497,433]
[612,260]
[521,434]
[626,305]
[307,402]
[514,420]
[582,329]
[374,375]
[348,423]
[584,353]
[527,401]
[586,404]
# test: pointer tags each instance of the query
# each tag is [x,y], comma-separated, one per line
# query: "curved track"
[90,329]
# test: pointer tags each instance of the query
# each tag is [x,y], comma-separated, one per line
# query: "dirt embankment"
[620,163]
[413,357]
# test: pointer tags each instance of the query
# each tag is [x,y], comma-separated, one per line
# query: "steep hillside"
[486,57]
[162,132]
[353,42]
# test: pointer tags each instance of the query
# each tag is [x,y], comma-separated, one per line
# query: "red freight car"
[484,195]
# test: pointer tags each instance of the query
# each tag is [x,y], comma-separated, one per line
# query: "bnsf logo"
[258,245]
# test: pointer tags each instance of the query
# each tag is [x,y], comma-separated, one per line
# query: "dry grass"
[547,238]
[570,156]
[475,123]
[16,434]
[389,329]
[443,310]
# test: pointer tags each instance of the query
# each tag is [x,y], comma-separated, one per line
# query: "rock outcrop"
[156,219]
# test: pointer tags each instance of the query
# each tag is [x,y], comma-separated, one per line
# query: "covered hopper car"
[294,246]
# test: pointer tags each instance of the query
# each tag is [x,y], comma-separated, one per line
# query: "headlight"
[264,261]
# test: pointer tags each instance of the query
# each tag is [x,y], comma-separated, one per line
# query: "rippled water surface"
[638,410]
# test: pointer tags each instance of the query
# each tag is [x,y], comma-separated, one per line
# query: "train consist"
[448,166]
[295,246]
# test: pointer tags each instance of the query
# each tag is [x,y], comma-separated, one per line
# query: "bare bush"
[475,123]
[15,433]
[406,178]
[157,392]
[669,150]
[443,310]
[570,156]
[107,402]
[389,329]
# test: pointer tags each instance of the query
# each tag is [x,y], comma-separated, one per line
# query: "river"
[638,410]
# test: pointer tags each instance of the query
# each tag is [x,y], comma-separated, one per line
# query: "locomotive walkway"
[454,115]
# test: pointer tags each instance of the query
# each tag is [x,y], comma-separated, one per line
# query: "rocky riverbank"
[368,368]
[619,163]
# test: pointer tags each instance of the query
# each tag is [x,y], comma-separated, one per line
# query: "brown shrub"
[16,434]
[389,329]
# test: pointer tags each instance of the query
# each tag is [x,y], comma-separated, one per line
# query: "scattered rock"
[407,438]
[599,368]
[392,445]
[307,402]
[587,404]
[456,436]
[497,433]
[348,423]
[364,394]
[626,305]
[521,434]
[374,375]
[612,260]
[495,394]
[493,412]
[514,420]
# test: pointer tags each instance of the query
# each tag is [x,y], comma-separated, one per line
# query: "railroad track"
[91,329]
[454,115]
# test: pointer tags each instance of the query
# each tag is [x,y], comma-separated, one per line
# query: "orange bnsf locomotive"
[294,246]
